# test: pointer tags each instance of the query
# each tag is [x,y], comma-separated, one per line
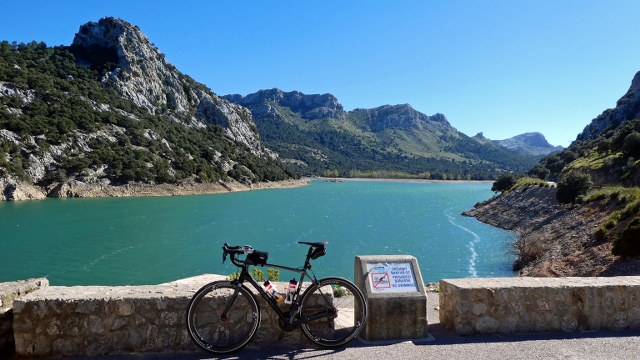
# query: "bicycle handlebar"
[232,251]
[316,250]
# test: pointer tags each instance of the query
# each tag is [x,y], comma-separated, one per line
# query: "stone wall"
[9,291]
[51,321]
[511,305]
[93,320]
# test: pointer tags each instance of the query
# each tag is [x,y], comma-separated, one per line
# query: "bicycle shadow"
[251,353]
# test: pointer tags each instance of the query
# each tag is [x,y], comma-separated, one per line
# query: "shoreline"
[338,179]
[74,189]
[18,191]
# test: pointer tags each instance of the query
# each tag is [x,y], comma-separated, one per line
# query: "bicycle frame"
[293,312]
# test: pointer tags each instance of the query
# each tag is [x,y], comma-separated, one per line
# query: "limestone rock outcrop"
[627,108]
[142,75]
[11,189]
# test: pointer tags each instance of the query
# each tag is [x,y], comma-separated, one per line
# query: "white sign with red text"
[392,277]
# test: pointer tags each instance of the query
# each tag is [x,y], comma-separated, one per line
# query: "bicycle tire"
[204,317]
[333,312]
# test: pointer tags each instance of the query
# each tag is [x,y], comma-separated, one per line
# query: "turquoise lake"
[135,241]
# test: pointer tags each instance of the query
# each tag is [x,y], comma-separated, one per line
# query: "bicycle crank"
[283,324]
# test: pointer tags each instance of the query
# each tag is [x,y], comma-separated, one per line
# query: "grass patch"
[528,181]
[626,238]
[627,197]
[593,160]
[627,242]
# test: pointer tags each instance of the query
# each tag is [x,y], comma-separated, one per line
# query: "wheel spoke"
[219,322]
[334,312]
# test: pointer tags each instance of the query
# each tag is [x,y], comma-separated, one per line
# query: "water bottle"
[271,290]
[291,291]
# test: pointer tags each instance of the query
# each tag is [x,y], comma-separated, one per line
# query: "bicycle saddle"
[316,250]
[314,244]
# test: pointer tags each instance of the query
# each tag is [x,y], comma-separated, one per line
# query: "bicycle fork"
[224,317]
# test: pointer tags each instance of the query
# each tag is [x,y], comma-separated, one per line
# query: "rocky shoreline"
[11,190]
[554,240]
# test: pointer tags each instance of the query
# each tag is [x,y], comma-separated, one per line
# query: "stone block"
[9,291]
[509,305]
[395,296]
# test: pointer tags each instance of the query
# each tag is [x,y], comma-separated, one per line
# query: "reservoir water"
[135,241]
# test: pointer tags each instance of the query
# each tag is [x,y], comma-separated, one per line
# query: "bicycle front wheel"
[333,312]
[222,317]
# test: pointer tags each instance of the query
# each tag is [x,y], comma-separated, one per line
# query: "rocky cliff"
[555,240]
[627,108]
[142,74]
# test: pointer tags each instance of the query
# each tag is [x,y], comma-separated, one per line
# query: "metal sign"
[392,277]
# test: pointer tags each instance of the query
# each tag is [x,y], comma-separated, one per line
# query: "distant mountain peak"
[310,107]
[402,116]
[117,39]
[533,143]
[479,135]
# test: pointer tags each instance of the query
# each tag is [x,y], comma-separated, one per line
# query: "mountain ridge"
[385,138]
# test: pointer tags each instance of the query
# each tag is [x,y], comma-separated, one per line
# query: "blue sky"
[497,67]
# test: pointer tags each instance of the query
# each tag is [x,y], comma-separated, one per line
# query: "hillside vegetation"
[61,121]
[315,136]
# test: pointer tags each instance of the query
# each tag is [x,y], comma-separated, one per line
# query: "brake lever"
[224,256]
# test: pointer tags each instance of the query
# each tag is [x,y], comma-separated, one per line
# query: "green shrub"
[630,210]
[539,171]
[600,233]
[503,183]
[258,275]
[572,185]
[339,291]
[627,243]
[273,274]
[631,144]
[234,276]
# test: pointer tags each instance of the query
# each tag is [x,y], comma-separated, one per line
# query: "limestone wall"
[51,321]
[95,320]
[510,305]
[9,291]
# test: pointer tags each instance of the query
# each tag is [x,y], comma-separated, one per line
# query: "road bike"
[224,315]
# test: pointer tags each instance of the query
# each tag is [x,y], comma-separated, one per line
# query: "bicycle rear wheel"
[333,312]
[214,332]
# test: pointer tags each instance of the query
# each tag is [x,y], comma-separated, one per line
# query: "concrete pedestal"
[395,295]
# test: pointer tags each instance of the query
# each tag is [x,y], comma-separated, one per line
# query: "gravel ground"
[445,344]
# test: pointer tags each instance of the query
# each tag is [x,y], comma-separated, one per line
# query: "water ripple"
[473,259]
